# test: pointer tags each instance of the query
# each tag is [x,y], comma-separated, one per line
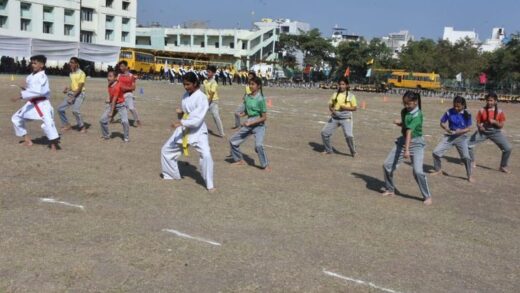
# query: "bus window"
[125,55]
[399,79]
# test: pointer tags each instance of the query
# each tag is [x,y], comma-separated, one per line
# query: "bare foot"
[212,190]
[53,147]
[138,123]
[83,130]
[238,163]
[27,140]
[471,179]
[473,165]
[267,169]
[434,173]
[388,193]
[505,170]
[428,201]
[325,153]
[66,128]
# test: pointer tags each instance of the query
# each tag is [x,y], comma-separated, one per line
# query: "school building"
[94,30]
[239,47]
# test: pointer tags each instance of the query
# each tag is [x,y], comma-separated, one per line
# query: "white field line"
[52,200]
[277,147]
[361,282]
[184,235]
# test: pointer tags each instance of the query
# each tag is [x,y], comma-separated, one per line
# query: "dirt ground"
[278,232]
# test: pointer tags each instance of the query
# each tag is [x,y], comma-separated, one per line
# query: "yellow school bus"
[138,61]
[173,62]
[415,80]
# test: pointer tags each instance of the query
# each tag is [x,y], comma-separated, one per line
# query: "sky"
[369,18]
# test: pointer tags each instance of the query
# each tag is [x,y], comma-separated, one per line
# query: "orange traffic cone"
[269,103]
[385,99]
[363,105]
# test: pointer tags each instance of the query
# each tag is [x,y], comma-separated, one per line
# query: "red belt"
[35,101]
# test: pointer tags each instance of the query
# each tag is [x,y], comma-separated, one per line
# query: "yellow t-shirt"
[210,86]
[342,100]
[248,90]
[76,78]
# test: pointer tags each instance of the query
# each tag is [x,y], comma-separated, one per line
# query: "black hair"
[251,73]
[462,101]
[112,71]
[494,97]
[75,59]
[212,68]
[39,58]
[345,80]
[192,77]
[122,62]
[413,96]
[258,81]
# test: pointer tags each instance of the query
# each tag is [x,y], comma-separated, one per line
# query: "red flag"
[347,72]
[483,78]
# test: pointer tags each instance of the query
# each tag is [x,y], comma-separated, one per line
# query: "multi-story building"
[59,24]
[397,41]
[239,47]
[498,35]
[454,36]
[340,34]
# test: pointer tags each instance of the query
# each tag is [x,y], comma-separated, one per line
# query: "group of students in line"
[191,130]
[36,94]
[456,122]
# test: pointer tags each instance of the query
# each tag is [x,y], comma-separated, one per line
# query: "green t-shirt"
[255,105]
[412,120]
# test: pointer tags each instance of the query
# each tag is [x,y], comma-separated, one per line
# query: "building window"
[3,4]
[25,24]
[216,44]
[285,29]
[25,6]
[232,45]
[87,14]
[68,30]
[124,37]
[202,45]
[126,20]
[109,35]
[47,27]
[3,21]
[126,5]
[108,3]
[86,37]
[109,18]
[244,45]
[48,9]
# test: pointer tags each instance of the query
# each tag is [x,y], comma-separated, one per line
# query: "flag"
[371,61]
[459,77]
[483,78]
[369,72]
[347,72]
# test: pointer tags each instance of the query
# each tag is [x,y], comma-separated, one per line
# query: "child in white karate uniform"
[190,130]
[36,94]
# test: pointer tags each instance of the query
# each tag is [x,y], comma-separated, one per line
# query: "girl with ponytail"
[456,122]
[410,145]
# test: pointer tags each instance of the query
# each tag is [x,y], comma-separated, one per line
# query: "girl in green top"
[256,112]
[410,145]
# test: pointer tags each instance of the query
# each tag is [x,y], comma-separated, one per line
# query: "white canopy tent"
[57,51]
